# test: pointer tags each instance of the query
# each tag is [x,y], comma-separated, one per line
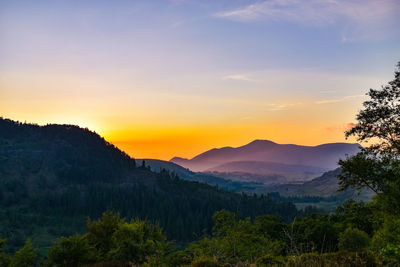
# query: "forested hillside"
[55,176]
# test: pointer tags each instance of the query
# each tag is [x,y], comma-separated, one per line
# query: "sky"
[175,78]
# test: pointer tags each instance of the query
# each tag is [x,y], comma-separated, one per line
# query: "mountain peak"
[177,158]
[261,142]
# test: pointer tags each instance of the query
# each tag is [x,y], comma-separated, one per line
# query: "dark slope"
[323,156]
[226,183]
[52,177]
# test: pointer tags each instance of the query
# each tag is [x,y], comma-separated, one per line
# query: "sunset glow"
[174,78]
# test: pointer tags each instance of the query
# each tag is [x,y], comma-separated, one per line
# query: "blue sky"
[137,71]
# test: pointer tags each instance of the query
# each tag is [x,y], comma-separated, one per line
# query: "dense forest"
[54,176]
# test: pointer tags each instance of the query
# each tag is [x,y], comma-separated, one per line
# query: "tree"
[377,166]
[100,231]
[386,241]
[73,251]
[353,240]
[26,256]
[314,233]
[4,258]
[270,226]
[137,241]
[364,217]
[380,119]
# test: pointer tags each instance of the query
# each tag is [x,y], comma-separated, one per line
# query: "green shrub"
[26,256]
[71,251]
[353,240]
[386,240]
[269,260]
[4,257]
[206,262]
[341,258]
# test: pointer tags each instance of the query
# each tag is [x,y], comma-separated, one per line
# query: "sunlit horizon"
[175,78]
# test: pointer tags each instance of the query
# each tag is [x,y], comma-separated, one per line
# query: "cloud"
[350,126]
[238,77]
[358,18]
[284,106]
[328,101]
[341,127]
[336,100]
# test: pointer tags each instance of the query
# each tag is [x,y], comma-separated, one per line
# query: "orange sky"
[175,78]
[151,123]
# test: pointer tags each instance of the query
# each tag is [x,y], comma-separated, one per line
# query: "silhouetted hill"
[322,156]
[227,183]
[52,177]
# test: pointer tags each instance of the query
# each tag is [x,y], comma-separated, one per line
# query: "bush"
[71,251]
[386,241]
[4,258]
[26,256]
[269,260]
[341,258]
[205,262]
[353,240]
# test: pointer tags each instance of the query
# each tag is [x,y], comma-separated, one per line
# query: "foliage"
[342,258]
[100,231]
[352,214]
[235,239]
[269,260]
[111,241]
[72,251]
[386,240]
[26,256]
[205,262]
[4,258]
[315,233]
[380,118]
[353,240]
[377,167]
[137,241]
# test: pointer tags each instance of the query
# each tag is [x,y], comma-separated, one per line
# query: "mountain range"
[324,187]
[264,157]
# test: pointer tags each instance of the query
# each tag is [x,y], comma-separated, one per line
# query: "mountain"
[320,192]
[289,171]
[226,183]
[324,186]
[249,158]
[53,177]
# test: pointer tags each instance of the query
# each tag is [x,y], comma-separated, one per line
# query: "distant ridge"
[324,156]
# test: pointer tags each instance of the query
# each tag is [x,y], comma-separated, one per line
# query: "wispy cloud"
[284,106]
[357,17]
[336,100]
[328,101]
[239,77]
